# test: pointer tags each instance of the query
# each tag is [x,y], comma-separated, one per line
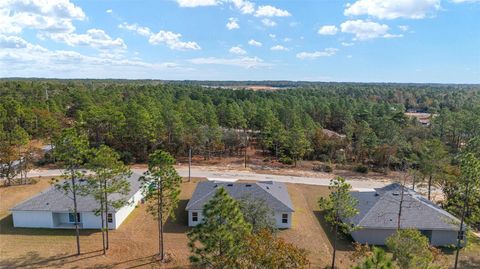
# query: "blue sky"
[356,40]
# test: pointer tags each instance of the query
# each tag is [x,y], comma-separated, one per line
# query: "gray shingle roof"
[379,210]
[273,193]
[56,201]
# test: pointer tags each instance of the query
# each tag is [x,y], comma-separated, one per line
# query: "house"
[378,216]
[274,194]
[53,209]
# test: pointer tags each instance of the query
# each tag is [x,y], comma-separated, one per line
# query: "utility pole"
[189,162]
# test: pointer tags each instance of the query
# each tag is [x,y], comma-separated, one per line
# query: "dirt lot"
[134,244]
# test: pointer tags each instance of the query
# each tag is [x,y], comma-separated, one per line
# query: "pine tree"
[219,242]
[410,249]
[109,178]
[71,149]
[161,185]
[266,251]
[467,191]
[378,260]
[339,206]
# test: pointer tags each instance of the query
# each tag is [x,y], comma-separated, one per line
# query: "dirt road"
[215,172]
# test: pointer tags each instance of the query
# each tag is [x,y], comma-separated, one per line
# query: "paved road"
[207,172]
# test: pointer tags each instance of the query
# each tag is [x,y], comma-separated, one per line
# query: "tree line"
[135,118]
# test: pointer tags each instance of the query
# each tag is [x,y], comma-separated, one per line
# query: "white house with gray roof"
[378,216]
[274,194]
[53,209]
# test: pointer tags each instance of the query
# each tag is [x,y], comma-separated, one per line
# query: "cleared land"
[135,243]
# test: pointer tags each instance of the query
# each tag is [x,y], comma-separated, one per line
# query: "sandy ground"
[135,243]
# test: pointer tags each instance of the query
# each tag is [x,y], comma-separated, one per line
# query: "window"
[194,216]
[71,217]
[109,217]
[284,218]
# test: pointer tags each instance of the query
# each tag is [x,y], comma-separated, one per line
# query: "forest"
[359,124]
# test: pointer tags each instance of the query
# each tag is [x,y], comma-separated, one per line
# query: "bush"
[323,168]
[361,169]
[286,160]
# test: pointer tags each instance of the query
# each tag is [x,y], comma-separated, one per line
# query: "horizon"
[355,41]
[259,82]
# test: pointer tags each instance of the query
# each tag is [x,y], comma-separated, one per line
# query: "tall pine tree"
[219,242]
[161,184]
[340,205]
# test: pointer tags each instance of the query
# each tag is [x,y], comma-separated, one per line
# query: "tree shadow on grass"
[6,227]
[344,242]
[180,224]
[33,259]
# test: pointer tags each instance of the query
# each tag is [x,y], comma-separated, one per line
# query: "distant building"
[378,216]
[53,209]
[274,194]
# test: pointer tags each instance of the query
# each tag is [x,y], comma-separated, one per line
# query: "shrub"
[323,168]
[286,160]
[361,169]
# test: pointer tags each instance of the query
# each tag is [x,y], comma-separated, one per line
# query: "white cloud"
[364,30]
[347,44]
[232,24]
[273,36]
[403,28]
[12,42]
[143,31]
[47,16]
[465,1]
[237,50]
[246,7]
[279,48]
[269,23]
[246,62]
[53,19]
[287,39]
[317,54]
[393,9]
[270,11]
[328,30]
[95,38]
[254,43]
[197,3]
[171,39]
[109,11]
[29,60]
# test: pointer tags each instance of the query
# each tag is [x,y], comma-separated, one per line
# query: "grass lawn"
[135,243]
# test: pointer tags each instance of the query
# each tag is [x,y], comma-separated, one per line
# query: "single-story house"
[378,216]
[274,194]
[53,209]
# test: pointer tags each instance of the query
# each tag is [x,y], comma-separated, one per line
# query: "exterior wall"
[123,212]
[379,236]
[443,238]
[191,223]
[90,221]
[278,220]
[33,219]
[372,236]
